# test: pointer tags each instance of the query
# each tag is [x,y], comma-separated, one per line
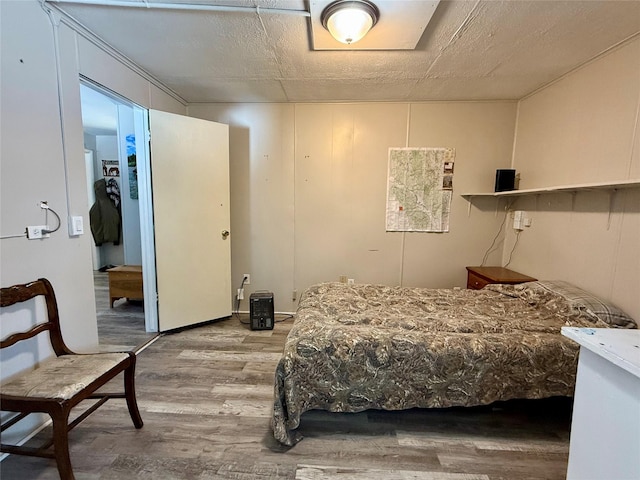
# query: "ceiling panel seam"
[472,15]
[275,56]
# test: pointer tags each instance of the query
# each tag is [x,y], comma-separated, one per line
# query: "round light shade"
[349,20]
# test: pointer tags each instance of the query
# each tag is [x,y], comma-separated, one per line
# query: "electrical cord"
[285,318]
[237,312]
[490,249]
[46,207]
[514,247]
[17,235]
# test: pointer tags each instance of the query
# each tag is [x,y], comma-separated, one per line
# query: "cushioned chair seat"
[62,377]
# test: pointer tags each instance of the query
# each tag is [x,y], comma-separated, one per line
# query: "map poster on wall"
[419,189]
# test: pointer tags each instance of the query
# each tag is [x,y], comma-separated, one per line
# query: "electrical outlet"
[246,279]
[241,294]
[350,281]
[36,232]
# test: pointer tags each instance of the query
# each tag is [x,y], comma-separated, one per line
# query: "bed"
[358,347]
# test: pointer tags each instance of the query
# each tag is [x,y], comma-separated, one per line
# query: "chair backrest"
[22,293]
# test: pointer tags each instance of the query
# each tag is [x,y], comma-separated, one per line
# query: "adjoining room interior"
[453,199]
[109,143]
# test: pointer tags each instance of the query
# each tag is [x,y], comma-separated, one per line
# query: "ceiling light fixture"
[349,20]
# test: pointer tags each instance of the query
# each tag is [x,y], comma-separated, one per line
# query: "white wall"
[35,167]
[583,129]
[308,191]
[308,187]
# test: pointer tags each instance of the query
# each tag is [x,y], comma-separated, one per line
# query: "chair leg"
[130,393]
[61,443]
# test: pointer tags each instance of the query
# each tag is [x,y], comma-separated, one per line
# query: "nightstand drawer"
[475,282]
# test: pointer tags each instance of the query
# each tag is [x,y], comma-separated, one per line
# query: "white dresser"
[605,429]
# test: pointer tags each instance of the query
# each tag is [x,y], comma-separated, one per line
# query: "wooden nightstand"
[478,277]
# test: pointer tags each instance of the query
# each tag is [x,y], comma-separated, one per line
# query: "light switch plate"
[77,226]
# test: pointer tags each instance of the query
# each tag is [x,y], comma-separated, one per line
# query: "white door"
[190,184]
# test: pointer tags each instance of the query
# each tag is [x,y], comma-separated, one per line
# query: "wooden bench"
[59,383]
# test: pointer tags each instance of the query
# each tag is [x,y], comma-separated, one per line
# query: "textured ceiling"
[470,50]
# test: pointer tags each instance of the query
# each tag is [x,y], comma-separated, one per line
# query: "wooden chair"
[58,384]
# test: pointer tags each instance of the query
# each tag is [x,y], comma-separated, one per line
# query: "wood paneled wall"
[308,188]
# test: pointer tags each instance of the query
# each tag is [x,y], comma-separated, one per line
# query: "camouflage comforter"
[357,347]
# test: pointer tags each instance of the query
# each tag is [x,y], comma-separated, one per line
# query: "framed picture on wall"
[110,168]
[132,166]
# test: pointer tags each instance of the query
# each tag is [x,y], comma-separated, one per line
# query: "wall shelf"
[560,188]
[611,187]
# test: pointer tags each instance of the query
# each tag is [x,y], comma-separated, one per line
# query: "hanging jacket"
[104,216]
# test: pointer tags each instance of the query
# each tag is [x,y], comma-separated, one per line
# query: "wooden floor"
[120,327]
[206,398]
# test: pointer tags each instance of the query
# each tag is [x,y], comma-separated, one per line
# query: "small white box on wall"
[76,226]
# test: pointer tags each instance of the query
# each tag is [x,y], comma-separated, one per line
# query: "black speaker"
[261,312]
[505,180]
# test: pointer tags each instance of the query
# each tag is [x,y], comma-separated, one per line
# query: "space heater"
[261,312]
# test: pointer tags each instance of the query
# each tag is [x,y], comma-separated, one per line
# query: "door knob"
[225,233]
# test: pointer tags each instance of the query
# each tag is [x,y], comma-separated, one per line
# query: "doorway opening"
[114,141]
